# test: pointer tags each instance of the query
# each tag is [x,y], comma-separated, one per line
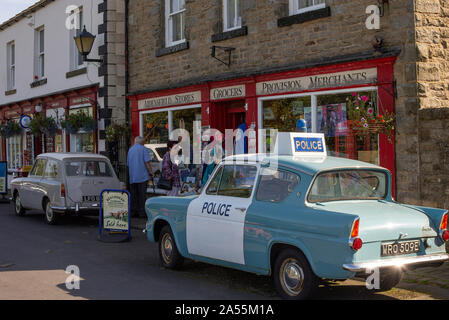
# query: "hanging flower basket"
[43,125]
[10,129]
[363,119]
[78,121]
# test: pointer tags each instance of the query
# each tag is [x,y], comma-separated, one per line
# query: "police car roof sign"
[300,144]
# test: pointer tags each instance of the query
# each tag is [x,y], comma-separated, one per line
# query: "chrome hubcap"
[49,212]
[167,248]
[18,205]
[292,277]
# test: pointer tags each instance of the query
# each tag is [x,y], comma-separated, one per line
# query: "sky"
[9,8]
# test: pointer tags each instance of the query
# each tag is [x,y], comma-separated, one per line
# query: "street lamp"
[84,42]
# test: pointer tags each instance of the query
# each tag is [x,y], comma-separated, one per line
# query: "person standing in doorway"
[138,163]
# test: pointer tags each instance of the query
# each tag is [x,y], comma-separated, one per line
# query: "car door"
[31,191]
[215,220]
[51,182]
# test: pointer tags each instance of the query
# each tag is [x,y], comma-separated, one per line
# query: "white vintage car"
[61,183]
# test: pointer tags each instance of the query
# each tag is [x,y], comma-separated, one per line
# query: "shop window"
[231,15]
[341,141]
[184,119]
[276,185]
[14,149]
[82,141]
[284,114]
[301,6]
[174,21]
[155,127]
[237,181]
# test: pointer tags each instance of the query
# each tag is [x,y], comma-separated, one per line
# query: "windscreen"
[349,185]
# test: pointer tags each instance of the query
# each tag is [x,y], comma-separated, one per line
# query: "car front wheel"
[168,251]
[18,209]
[293,277]
[50,216]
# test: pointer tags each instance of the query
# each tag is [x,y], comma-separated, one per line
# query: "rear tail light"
[62,190]
[354,241]
[444,233]
[355,228]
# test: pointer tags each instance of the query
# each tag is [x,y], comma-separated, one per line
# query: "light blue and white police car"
[299,216]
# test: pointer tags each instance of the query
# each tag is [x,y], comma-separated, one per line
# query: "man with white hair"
[138,163]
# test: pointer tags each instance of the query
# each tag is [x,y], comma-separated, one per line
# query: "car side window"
[213,186]
[237,181]
[39,168]
[52,169]
[276,185]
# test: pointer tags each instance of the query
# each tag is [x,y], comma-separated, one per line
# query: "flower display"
[362,115]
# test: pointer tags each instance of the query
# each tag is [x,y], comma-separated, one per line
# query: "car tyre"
[389,278]
[18,209]
[168,251]
[293,278]
[51,217]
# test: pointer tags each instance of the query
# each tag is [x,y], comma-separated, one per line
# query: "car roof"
[309,165]
[70,155]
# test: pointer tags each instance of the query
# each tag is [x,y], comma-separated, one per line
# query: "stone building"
[43,73]
[285,60]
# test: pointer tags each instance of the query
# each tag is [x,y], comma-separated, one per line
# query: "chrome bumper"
[395,262]
[75,208]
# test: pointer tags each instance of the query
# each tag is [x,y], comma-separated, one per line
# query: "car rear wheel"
[50,216]
[293,278]
[168,251]
[389,278]
[18,209]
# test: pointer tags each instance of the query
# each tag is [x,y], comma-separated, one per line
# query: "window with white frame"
[301,6]
[231,15]
[77,61]
[11,56]
[174,21]
[40,54]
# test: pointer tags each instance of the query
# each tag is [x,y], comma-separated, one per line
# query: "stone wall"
[268,46]
[432,39]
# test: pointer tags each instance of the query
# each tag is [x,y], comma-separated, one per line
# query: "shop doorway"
[230,115]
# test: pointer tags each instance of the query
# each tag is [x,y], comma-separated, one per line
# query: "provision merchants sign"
[319,81]
[173,100]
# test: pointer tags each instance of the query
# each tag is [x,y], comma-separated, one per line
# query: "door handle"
[241,209]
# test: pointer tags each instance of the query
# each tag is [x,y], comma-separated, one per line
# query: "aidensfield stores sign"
[173,100]
[319,81]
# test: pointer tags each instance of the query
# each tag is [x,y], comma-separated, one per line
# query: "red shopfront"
[277,101]
[21,150]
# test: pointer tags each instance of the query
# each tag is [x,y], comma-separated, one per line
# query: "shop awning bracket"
[227,50]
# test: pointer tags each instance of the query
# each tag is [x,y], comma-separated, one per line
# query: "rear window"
[87,168]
